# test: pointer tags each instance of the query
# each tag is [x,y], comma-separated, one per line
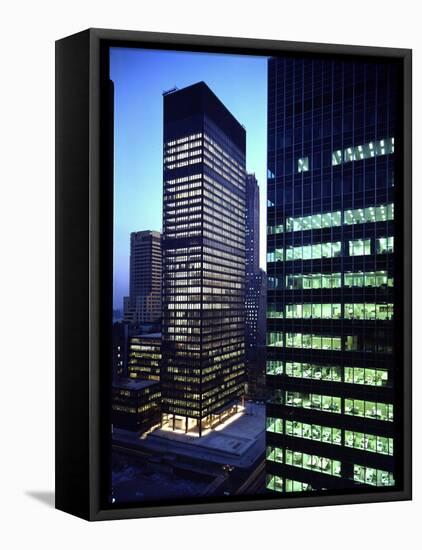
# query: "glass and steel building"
[252,225]
[203,370]
[144,302]
[330,265]
[255,296]
[144,359]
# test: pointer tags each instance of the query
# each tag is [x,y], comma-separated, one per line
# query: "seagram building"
[203,244]
[330,263]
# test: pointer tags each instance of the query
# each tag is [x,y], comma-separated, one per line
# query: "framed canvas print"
[233,274]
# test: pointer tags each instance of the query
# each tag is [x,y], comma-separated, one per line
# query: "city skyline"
[239,81]
[315,401]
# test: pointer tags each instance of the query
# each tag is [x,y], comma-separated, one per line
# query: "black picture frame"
[84,268]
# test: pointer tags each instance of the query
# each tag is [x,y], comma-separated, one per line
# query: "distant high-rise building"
[144,302]
[252,225]
[255,333]
[330,265]
[203,371]
[255,295]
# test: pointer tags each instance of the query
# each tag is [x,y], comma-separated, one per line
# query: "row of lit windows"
[181,164]
[327,434]
[192,151]
[304,460]
[358,279]
[314,432]
[220,190]
[366,151]
[225,161]
[188,203]
[327,403]
[358,311]
[360,152]
[209,140]
[277,483]
[352,375]
[185,147]
[372,476]
[304,341]
[361,474]
[223,173]
[329,343]
[184,139]
[333,404]
[369,442]
[369,409]
[380,213]
[176,181]
[358,247]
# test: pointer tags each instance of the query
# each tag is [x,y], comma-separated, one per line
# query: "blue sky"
[140,77]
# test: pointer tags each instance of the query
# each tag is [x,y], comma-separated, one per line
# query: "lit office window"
[275,454]
[369,409]
[313,372]
[273,312]
[276,255]
[369,312]
[372,476]
[316,221]
[360,247]
[316,401]
[364,151]
[313,311]
[369,442]
[312,341]
[385,245]
[370,214]
[313,462]
[366,376]
[275,339]
[368,279]
[313,251]
[275,483]
[303,164]
[274,367]
[314,432]
[313,280]
[274,425]
[293,486]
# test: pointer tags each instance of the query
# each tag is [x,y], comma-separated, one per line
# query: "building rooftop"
[133,384]
[239,441]
[152,335]
[199,99]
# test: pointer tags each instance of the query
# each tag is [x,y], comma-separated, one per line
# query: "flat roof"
[155,335]
[133,384]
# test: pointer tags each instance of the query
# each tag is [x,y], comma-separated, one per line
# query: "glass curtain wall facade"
[330,264]
[203,346]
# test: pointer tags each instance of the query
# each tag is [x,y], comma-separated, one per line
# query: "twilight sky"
[140,77]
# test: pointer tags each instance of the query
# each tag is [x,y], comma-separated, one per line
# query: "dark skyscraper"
[331,129]
[144,302]
[203,370]
[255,302]
[252,225]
